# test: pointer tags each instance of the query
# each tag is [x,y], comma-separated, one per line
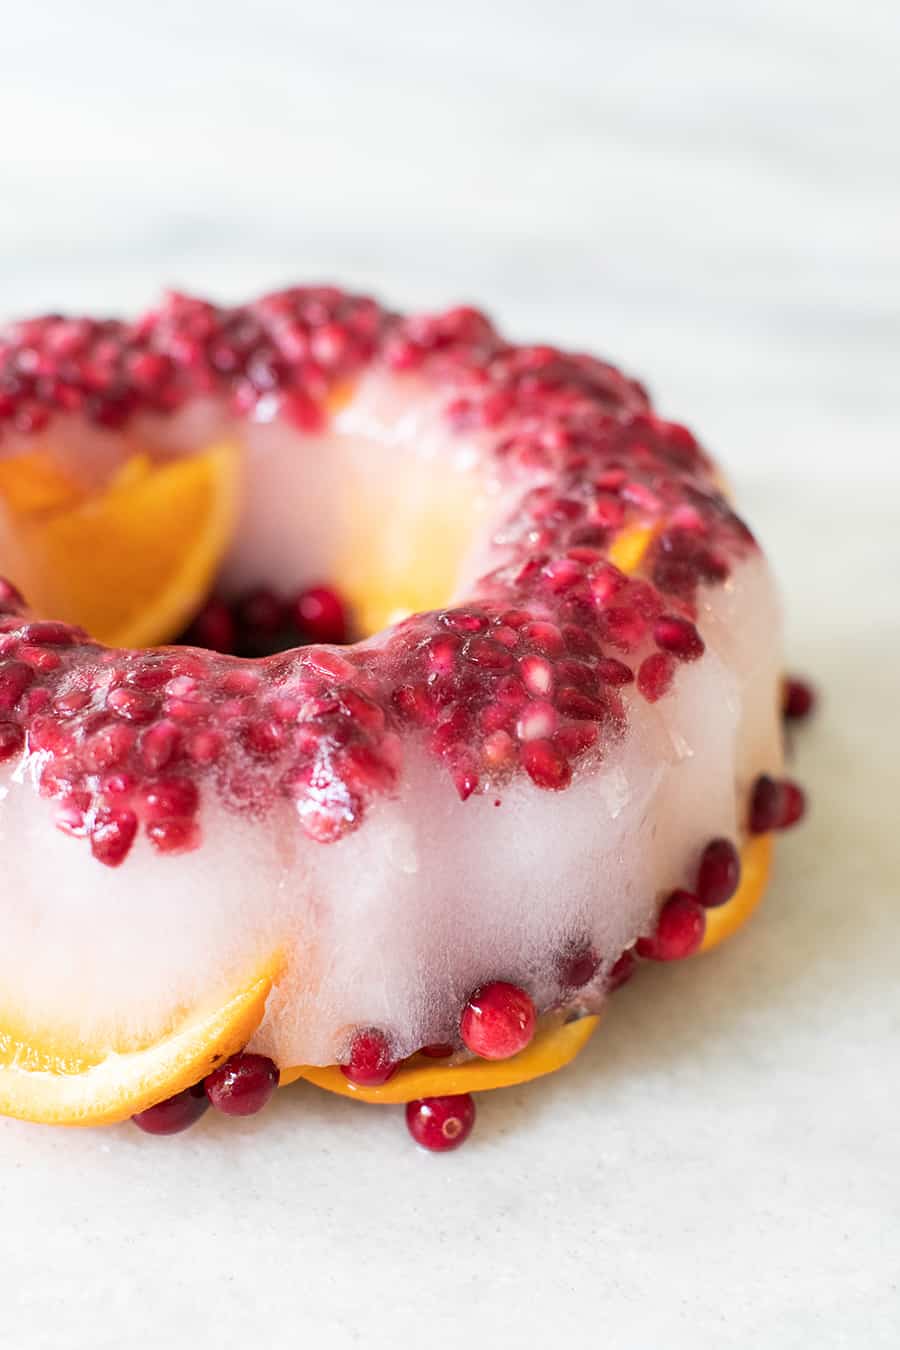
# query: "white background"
[709,192]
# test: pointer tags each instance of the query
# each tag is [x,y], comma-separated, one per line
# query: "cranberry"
[621,970]
[370,1059]
[578,968]
[441,1123]
[719,873]
[498,1021]
[260,614]
[320,614]
[766,805]
[242,1085]
[213,628]
[440,1050]
[175,1113]
[679,929]
[799,699]
[793,804]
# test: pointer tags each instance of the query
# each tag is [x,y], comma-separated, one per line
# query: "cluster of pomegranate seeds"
[175,1113]
[441,1123]
[799,699]
[679,931]
[498,1021]
[370,1061]
[775,804]
[242,1085]
[719,873]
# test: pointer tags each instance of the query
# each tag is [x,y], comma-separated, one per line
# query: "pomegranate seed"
[498,1021]
[242,1085]
[370,1059]
[655,675]
[545,766]
[441,1123]
[621,970]
[719,873]
[112,836]
[799,699]
[679,929]
[320,614]
[175,1114]
[12,738]
[214,628]
[678,636]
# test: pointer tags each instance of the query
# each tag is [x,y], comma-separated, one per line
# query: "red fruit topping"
[579,968]
[438,1051]
[441,1123]
[545,766]
[260,614]
[793,804]
[112,836]
[498,1021]
[655,675]
[370,1059]
[621,970]
[12,739]
[213,628]
[799,699]
[679,929]
[678,636]
[242,1085]
[319,614]
[719,873]
[175,1114]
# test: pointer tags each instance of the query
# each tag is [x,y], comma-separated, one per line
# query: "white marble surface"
[710,192]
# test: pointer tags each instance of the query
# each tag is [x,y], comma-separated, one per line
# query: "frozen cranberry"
[799,699]
[766,805]
[621,970]
[440,1050]
[498,1021]
[679,929]
[370,1059]
[319,614]
[719,873]
[260,614]
[242,1085]
[441,1123]
[214,627]
[578,968]
[793,804]
[175,1113]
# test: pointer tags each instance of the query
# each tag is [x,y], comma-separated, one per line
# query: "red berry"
[498,1021]
[679,929]
[798,699]
[320,614]
[793,804]
[215,628]
[438,1051]
[242,1085]
[370,1059]
[441,1123]
[621,971]
[766,805]
[578,968]
[719,873]
[678,636]
[175,1113]
[260,614]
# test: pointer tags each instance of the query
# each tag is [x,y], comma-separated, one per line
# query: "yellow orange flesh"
[130,564]
[98,1086]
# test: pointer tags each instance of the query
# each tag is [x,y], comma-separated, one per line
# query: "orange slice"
[104,1085]
[34,482]
[555,1045]
[551,1048]
[132,564]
